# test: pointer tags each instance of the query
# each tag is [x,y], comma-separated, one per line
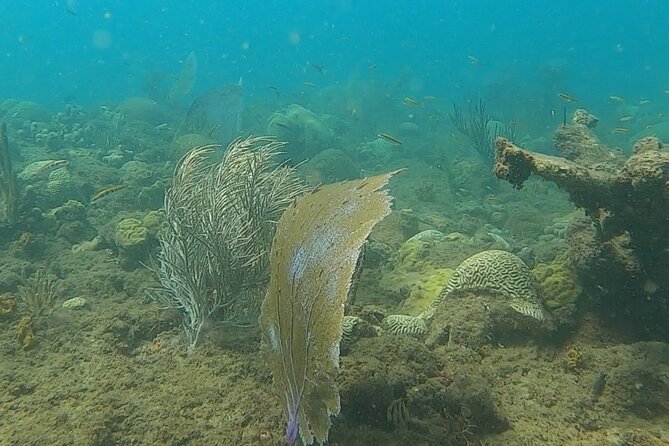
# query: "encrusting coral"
[7,305]
[304,131]
[558,283]
[133,240]
[627,204]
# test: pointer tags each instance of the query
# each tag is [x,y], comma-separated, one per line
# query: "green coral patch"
[130,233]
[558,283]
[423,289]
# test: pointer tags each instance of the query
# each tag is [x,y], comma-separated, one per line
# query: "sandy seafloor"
[114,372]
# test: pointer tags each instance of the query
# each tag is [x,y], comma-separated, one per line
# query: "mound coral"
[133,241]
[558,283]
[302,129]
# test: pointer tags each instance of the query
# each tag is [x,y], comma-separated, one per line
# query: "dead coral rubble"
[627,202]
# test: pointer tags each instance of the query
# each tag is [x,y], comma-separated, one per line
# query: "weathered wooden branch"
[623,257]
[633,196]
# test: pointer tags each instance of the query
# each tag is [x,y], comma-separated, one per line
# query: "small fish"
[474,61]
[372,67]
[389,138]
[109,190]
[644,102]
[320,68]
[567,97]
[617,99]
[50,166]
[620,130]
[553,112]
[666,91]
[213,129]
[429,98]
[626,118]
[434,116]
[309,84]
[411,101]
[161,126]
[275,90]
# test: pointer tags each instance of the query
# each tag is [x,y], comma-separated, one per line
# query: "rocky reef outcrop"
[619,248]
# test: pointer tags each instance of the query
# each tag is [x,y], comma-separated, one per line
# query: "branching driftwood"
[633,197]
[621,255]
[622,258]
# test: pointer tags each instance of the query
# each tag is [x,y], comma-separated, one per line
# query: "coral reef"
[476,372]
[305,132]
[133,241]
[143,109]
[7,305]
[400,324]
[499,273]
[559,287]
[328,166]
[628,205]
[72,222]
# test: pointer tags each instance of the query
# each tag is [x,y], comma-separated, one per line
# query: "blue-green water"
[133,269]
[94,51]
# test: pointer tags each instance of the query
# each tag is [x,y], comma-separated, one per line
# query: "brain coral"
[500,273]
[400,324]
